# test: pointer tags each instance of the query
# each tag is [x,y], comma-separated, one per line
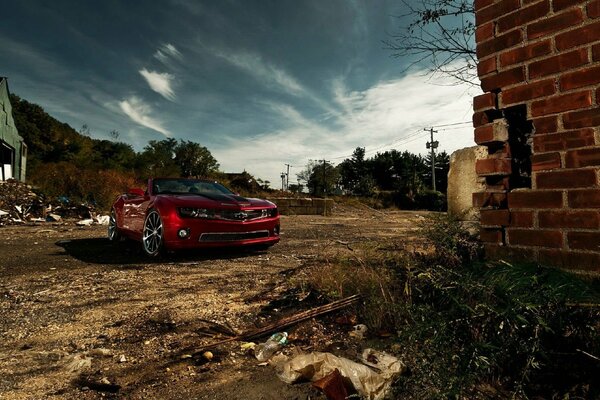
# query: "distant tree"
[158,159]
[354,174]
[194,160]
[296,188]
[438,34]
[321,177]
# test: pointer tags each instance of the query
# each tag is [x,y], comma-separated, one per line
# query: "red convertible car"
[177,213]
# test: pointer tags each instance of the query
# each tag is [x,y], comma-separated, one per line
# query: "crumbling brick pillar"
[539,117]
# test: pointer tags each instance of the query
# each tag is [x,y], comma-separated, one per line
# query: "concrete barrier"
[305,206]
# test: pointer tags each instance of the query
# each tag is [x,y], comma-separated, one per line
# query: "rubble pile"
[19,203]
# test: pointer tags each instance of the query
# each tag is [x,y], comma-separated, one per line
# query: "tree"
[194,160]
[321,177]
[354,174]
[442,166]
[439,34]
[158,159]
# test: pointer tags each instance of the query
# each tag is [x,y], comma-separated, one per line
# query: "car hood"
[221,201]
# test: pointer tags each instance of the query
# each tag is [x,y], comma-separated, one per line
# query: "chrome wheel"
[113,229]
[152,237]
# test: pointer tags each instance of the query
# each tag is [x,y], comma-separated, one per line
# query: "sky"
[260,83]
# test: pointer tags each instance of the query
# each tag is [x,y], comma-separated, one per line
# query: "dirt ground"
[83,318]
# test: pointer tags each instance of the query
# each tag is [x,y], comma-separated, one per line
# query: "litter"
[264,351]
[370,384]
[103,219]
[359,331]
[85,222]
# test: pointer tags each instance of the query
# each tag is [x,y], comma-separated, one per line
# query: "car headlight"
[188,212]
[273,212]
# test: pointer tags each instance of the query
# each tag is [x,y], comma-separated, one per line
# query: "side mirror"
[136,192]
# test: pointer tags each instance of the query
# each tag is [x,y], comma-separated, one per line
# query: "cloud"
[166,52]
[140,112]
[159,82]
[391,114]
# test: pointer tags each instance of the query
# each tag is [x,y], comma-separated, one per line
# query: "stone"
[463,182]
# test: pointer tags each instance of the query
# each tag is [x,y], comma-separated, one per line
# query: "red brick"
[589,198]
[558,5]
[503,79]
[534,237]
[525,53]
[491,235]
[565,102]
[497,131]
[557,23]
[486,101]
[586,34]
[545,125]
[521,219]
[523,15]
[483,15]
[572,260]
[561,62]
[527,91]
[569,219]
[583,158]
[584,241]
[546,161]
[596,52]
[593,9]
[535,199]
[499,43]
[581,78]
[563,140]
[486,66]
[480,118]
[493,166]
[484,32]
[489,199]
[479,4]
[582,119]
[566,179]
[495,217]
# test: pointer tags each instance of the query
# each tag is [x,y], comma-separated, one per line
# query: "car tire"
[114,235]
[153,234]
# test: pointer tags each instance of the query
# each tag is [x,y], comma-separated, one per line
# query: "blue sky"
[260,83]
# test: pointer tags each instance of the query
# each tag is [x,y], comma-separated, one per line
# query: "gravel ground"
[83,318]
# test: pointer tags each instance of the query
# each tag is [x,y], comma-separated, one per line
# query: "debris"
[335,386]
[102,219]
[122,358]
[264,351]
[53,218]
[287,322]
[185,356]
[359,331]
[208,355]
[85,222]
[100,352]
[370,384]
[99,385]
[247,346]
[79,362]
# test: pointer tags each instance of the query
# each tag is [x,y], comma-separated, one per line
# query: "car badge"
[240,215]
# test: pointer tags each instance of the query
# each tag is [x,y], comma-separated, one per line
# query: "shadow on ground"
[103,251]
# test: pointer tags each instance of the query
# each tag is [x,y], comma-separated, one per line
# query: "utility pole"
[432,145]
[287,177]
[282,181]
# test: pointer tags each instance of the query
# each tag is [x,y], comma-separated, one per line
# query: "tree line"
[402,177]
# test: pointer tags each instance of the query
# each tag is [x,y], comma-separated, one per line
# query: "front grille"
[246,215]
[232,236]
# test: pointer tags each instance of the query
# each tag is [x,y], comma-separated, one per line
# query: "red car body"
[178,213]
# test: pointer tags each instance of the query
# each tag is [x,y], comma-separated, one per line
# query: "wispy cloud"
[389,115]
[166,52]
[141,113]
[160,82]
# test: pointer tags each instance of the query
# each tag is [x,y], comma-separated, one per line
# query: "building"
[13,151]
[539,118]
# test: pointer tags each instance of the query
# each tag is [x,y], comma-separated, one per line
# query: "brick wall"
[539,116]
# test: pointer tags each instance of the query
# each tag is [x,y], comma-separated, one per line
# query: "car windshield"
[188,186]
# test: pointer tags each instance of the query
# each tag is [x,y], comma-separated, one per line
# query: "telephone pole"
[287,177]
[282,181]
[432,145]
